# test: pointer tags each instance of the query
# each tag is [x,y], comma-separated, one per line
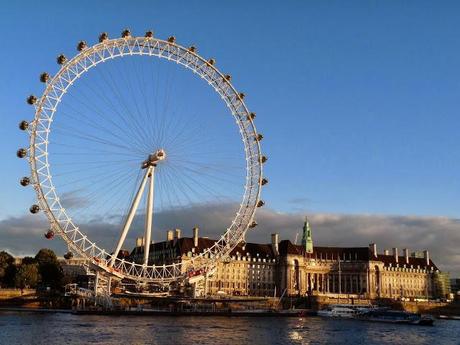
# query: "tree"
[10,276]
[49,268]
[46,256]
[6,268]
[27,276]
[28,260]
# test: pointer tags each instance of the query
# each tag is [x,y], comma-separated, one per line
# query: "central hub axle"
[154,158]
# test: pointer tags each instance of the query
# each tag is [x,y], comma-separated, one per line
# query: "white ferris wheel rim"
[49,200]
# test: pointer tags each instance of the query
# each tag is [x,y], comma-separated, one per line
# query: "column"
[333,282]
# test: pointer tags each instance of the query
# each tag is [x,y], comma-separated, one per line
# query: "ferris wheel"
[110,135]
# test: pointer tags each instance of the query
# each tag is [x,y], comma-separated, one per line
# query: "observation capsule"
[212,62]
[126,33]
[259,137]
[171,39]
[192,49]
[68,255]
[251,116]
[34,209]
[103,37]
[260,203]
[21,153]
[263,159]
[49,235]
[253,224]
[81,46]
[149,34]
[228,77]
[23,125]
[44,77]
[31,100]
[24,181]
[264,181]
[61,59]
[241,95]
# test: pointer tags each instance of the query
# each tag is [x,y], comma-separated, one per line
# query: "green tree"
[46,256]
[10,276]
[6,269]
[27,276]
[49,268]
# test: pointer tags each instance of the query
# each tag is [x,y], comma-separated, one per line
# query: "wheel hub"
[154,158]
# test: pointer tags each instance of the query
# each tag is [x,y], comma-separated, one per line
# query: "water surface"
[60,328]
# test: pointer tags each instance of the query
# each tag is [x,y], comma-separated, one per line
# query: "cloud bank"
[440,235]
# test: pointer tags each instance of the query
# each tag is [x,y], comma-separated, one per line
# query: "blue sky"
[358,102]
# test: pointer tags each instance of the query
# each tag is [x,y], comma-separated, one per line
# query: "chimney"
[406,255]
[426,256]
[386,252]
[177,234]
[139,241]
[275,241]
[195,236]
[169,235]
[373,249]
[395,254]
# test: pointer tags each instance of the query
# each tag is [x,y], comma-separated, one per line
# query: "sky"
[357,102]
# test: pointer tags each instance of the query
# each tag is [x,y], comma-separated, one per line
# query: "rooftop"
[176,248]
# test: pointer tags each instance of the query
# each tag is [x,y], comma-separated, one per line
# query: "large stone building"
[281,267]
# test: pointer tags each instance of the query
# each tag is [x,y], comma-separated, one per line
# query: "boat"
[344,310]
[394,316]
[449,317]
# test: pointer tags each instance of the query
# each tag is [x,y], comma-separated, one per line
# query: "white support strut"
[129,219]
[149,216]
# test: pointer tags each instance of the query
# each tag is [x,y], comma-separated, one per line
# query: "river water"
[61,328]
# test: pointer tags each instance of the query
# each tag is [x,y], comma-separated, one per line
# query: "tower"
[307,240]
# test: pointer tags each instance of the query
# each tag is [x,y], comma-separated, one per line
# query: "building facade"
[455,286]
[283,268]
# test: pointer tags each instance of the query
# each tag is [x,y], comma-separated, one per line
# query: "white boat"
[344,310]
[395,316]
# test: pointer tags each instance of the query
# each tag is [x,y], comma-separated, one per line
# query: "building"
[455,286]
[281,267]
[73,267]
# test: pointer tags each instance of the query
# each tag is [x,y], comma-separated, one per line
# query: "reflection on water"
[49,329]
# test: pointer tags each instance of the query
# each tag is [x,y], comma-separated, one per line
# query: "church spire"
[307,240]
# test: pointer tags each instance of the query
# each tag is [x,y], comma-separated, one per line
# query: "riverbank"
[228,313]
[296,313]
[152,312]
[30,300]
[34,310]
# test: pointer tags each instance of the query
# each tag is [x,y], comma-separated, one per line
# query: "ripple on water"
[50,329]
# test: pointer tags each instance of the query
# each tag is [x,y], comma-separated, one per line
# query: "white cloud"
[440,235]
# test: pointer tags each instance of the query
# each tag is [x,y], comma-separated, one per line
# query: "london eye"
[127,130]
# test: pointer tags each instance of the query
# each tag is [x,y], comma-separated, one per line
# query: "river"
[66,329]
